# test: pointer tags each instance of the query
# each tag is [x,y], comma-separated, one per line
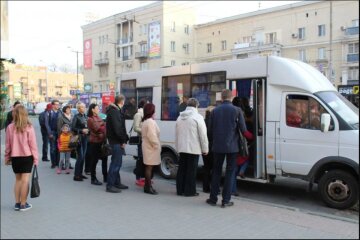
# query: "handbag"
[134,140]
[106,150]
[243,145]
[74,141]
[35,187]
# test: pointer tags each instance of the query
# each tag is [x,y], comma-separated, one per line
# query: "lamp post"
[77,66]
[115,53]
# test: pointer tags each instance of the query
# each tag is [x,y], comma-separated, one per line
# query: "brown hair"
[149,110]
[21,120]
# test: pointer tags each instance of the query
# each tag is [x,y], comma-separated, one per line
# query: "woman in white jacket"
[191,141]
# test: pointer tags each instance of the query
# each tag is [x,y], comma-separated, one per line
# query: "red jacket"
[97,129]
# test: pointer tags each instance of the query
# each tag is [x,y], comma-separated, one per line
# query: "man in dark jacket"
[51,126]
[45,131]
[9,117]
[117,136]
[225,120]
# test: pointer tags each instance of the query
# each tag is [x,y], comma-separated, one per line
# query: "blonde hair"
[21,119]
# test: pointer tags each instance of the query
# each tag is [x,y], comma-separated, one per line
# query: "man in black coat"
[225,120]
[9,117]
[117,137]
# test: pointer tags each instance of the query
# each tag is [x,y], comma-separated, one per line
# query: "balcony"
[125,40]
[103,61]
[352,31]
[322,61]
[354,57]
[143,54]
[125,58]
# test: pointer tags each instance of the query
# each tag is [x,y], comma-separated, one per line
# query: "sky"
[40,32]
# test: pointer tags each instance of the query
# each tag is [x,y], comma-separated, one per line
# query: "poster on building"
[84,98]
[154,40]
[107,98]
[17,90]
[87,54]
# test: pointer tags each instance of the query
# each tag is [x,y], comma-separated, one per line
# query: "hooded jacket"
[115,125]
[191,133]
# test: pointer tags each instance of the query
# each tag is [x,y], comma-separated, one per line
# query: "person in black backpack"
[44,132]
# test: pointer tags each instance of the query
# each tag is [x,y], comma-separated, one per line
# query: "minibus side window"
[304,112]
[128,89]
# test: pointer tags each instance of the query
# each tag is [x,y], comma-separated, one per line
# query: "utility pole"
[330,57]
[77,66]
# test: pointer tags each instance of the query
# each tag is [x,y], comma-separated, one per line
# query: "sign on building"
[87,54]
[154,40]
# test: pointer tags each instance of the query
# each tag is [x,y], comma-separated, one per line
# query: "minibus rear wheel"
[338,189]
[168,166]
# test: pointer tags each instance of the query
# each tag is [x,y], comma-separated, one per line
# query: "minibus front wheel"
[168,166]
[338,189]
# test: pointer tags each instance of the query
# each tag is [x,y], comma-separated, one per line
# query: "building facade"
[32,84]
[322,33]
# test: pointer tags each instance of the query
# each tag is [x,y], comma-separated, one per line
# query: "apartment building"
[32,84]
[320,33]
[149,37]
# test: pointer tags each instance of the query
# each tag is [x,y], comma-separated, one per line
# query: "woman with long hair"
[97,129]
[21,152]
[151,146]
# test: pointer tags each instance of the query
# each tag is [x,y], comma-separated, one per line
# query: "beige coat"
[151,145]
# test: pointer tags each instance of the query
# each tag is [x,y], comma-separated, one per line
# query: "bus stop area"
[68,209]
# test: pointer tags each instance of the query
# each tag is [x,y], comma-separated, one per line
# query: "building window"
[106,54]
[186,48]
[301,33]
[321,30]
[247,39]
[143,66]
[353,48]
[271,38]
[145,29]
[172,28]
[223,45]
[209,47]
[172,63]
[302,55]
[172,46]
[321,53]
[186,29]
[353,73]
[100,55]
[355,23]
[118,52]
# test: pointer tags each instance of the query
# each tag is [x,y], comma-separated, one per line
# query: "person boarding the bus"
[190,141]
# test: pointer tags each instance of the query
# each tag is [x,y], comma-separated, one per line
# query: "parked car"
[40,107]
[31,111]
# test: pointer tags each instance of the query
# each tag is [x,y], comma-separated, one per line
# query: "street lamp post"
[46,79]
[77,66]
[115,53]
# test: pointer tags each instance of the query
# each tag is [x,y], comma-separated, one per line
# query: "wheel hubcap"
[338,190]
[167,166]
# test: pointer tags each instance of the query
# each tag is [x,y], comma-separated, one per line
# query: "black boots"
[150,190]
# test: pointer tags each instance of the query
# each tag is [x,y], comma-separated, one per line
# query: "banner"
[107,98]
[87,54]
[154,40]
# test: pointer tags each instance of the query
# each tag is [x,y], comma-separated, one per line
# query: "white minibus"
[304,128]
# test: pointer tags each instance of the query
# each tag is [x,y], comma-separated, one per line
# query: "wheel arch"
[168,148]
[332,162]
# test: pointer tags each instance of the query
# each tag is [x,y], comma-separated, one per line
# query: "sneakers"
[58,170]
[121,186]
[211,203]
[17,207]
[25,207]
[140,182]
[113,190]
[96,182]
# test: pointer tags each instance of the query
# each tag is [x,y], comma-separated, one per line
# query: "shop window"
[174,88]
[128,89]
[304,112]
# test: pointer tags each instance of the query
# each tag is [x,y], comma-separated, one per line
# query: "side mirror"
[325,122]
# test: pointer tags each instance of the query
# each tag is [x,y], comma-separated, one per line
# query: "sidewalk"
[68,209]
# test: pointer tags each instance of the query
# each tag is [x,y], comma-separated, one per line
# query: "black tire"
[168,167]
[339,189]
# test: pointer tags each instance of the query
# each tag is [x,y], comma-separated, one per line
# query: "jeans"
[115,165]
[216,176]
[238,169]
[45,146]
[54,152]
[81,150]
[207,171]
[186,175]
[64,159]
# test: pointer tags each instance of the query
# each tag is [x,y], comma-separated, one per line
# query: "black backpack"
[42,119]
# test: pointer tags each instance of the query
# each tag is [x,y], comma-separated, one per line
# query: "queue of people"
[215,138]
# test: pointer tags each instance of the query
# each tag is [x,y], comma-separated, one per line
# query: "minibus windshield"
[342,107]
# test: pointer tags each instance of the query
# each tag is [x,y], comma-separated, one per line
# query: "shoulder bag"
[106,149]
[133,140]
